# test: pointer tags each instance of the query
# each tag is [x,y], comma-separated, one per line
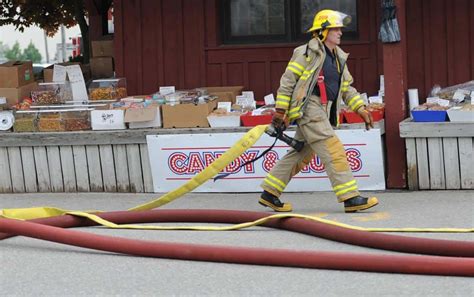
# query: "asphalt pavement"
[31,267]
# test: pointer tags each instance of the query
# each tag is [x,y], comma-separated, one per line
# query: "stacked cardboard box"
[102,61]
[16,81]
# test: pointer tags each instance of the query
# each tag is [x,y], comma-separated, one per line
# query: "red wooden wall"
[177,42]
[440,37]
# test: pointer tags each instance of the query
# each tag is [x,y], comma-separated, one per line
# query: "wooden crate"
[439,155]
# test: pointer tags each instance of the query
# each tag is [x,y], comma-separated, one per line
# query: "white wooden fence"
[86,161]
[439,155]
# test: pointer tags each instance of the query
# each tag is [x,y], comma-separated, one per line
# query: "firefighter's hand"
[279,120]
[367,117]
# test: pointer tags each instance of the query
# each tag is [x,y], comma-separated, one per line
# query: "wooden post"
[395,75]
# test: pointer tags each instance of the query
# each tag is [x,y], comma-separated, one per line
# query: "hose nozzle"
[278,133]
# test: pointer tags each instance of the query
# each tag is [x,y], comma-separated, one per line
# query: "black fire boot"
[359,203]
[269,200]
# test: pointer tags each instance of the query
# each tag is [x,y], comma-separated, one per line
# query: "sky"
[8,35]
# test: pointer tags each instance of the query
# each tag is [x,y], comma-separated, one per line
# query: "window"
[267,21]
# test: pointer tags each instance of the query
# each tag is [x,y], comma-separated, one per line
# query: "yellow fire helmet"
[327,18]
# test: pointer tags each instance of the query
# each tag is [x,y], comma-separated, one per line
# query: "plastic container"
[108,89]
[25,121]
[458,114]
[229,120]
[51,121]
[77,120]
[51,93]
[429,115]
[352,117]
[249,120]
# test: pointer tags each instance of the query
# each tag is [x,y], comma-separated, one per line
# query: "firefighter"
[310,93]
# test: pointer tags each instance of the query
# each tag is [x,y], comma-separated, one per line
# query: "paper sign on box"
[269,99]
[225,105]
[167,90]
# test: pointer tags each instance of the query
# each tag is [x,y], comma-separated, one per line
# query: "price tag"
[59,73]
[167,90]
[443,102]
[375,99]
[248,94]
[245,101]
[432,100]
[269,99]
[459,95]
[78,85]
[224,105]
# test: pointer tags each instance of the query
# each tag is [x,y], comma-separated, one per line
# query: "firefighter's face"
[334,36]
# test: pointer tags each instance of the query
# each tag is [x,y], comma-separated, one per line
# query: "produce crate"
[352,117]
[456,114]
[429,115]
[224,121]
[249,120]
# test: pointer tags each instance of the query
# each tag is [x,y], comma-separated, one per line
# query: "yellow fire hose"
[246,142]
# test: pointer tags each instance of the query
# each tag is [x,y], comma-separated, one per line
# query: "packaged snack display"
[51,93]
[50,121]
[25,121]
[108,89]
[77,120]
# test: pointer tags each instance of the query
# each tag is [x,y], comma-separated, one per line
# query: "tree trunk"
[81,20]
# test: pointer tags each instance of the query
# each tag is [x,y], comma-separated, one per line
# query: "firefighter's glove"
[367,117]
[279,120]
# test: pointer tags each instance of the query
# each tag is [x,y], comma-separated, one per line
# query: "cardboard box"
[14,74]
[102,48]
[187,115]
[148,117]
[102,67]
[225,94]
[16,95]
[108,119]
[48,71]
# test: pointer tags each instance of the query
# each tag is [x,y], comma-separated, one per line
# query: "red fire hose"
[326,260]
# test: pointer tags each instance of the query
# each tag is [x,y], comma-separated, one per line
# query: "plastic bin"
[352,117]
[224,120]
[249,120]
[457,114]
[77,120]
[429,115]
[50,121]
[108,89]
[25,121]
[51,93]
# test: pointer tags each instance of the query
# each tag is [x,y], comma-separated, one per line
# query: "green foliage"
[3,49]
[32,53]
[47,14]
[29,53]
[14,54]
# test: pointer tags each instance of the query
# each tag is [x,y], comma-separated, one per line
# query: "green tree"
[14,53]
[50,15]
[3,49]
[32,53]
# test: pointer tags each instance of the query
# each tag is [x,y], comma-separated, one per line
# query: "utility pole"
[63,42]
[46,45]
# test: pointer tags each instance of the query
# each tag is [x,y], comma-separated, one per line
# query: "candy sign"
[175,159]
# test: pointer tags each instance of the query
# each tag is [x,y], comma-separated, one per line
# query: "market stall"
[62,136]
